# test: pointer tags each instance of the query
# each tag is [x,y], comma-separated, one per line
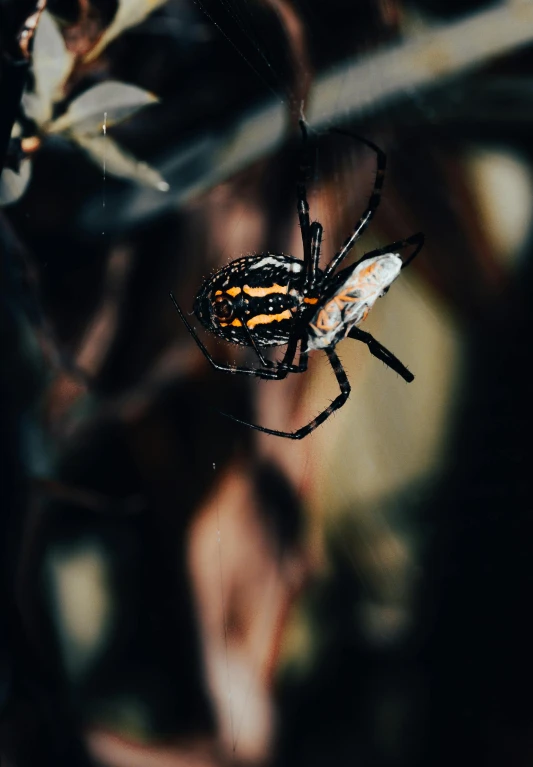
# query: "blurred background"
[178,589]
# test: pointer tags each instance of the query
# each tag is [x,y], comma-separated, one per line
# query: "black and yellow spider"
[271,299]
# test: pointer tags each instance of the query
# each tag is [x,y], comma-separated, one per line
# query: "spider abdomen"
[260,294]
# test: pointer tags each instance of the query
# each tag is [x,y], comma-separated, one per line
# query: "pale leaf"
[112,101]
[52,64]
[13,185]
[112,159]
[129,13]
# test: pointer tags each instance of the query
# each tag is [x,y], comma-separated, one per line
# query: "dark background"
[373,581]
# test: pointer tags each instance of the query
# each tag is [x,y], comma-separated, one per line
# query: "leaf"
[110,156]
[129,13]
[13,185]
[114,99]
[52,64]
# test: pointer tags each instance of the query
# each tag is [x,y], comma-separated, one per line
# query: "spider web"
[236,21]
[342,178]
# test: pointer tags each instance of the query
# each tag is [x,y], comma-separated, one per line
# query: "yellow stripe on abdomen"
[262,292]
[266,319]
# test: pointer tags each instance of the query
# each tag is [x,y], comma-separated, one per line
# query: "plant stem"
[15,43]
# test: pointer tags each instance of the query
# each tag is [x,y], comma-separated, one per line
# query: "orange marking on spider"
[235,323]
[266,319]
[230,292]
[262,292]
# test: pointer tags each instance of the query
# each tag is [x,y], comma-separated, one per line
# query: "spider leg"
[311,275]
[301,192]
[415,239]
[337,403]
[372,206]
[381,353]
[284,366]
[311,232]
[255,346]
[268,373]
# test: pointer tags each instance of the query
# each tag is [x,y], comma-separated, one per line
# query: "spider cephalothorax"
[270,299]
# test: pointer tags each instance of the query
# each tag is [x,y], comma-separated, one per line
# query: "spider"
[270,299]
